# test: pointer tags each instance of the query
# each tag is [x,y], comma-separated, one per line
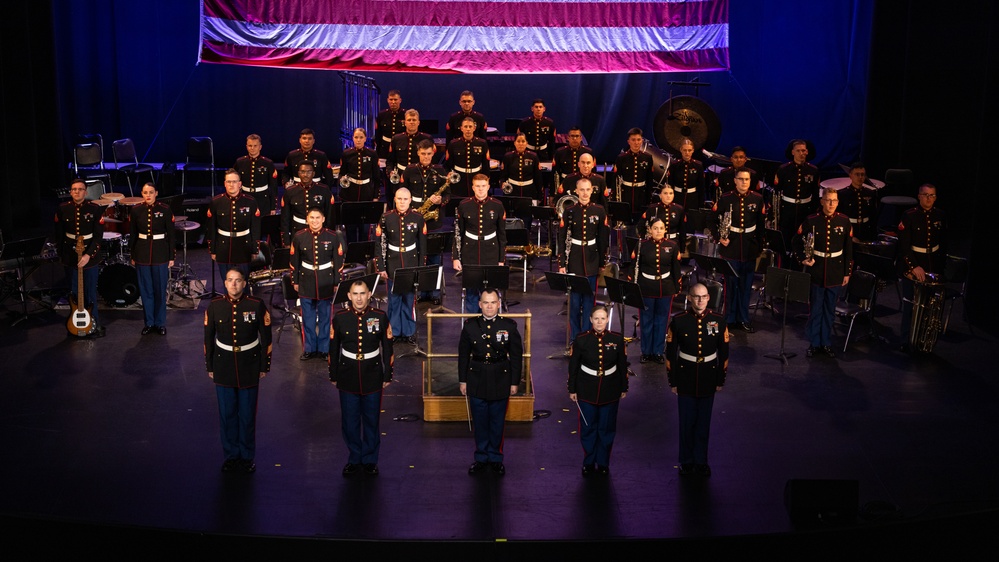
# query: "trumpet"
[344,181]
[453,177]
[394,175]
[506,187]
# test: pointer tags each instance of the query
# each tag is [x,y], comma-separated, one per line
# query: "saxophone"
[424,209]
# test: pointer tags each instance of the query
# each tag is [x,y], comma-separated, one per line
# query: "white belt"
[386,139]
[742,230]
[467,170]
[542,147]
[581,243]
[695,359]
[655,277]
[360,356]
[595,373]
[73,236]
[633,184]
[520,183]
[417,199]
[796,201]
[357,181]
[863,220]
[308,265]
[674,235]
[409,248]
[916,249]
[825,255]
[144,236]
[688,190]
[255,189]
[401,166]
[237,235]
[299,220]
[238,348]
[486,237]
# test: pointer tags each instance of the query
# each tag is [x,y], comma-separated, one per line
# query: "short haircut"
[307,163]
[393,93]
[253,136]
[466,93]
[469,119]
[690,291]
[599,308]
[425,144]
[232,171]
[480,177]
[490,291]
[307,131]
[316,209]
[237,270]
[857,165]
[635,131]
[412,112]
[538,100]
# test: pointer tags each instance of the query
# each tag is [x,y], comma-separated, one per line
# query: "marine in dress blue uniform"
[797,184]
[922,249]
[859,202]
[490,358]
[583,238]
[468,155]
[598,379]
[388,123]
[403,237]
[697,343]
[81,218]
[743,246]
[233,227]
[297,201]
[657,272]
[258,175]
[403,149]
[540,131]
[673,215]
[360,366]
[479,233]
[521,169]
[152,249]
[316,261]
[634,169]
[686,175]
[359,166]
[307,153]
[237,356]
[452,129]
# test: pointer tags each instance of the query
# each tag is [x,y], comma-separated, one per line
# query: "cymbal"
[179,218]
[840,183]
[687,117]
[113,196]
[111,220]
[186,225]
[131,200]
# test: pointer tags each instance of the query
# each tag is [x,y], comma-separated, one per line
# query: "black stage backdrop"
[897,84]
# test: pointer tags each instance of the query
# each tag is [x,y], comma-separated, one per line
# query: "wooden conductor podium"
[451,405]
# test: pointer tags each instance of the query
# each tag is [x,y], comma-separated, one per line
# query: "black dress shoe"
[747,327]
[161,330]
[476,467]
[349,469]
[645,359]
[230,465]
[306,356]
[603,470]
[146,330]
[588,470]
[686,469]
[436,302]
[247,466]
[659,359]
[323,356]
[703,470]
[810,352]
[498,468]
[828,351]
[371,469]
[99,332]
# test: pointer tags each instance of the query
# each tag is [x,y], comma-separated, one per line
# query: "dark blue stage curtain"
[797,69]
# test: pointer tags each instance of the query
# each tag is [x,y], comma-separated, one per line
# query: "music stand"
[408,280]
[437,243]
[699,220]
[793,286]
[361,252]
[357,213]
[569,283]
[713,265]
[343,289]
[479,277]
[623,293]
[774,240]
[22,252]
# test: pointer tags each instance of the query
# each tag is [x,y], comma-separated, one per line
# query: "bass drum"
[660,163]
[118,285]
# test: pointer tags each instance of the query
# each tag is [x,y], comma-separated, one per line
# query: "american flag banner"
[469,36]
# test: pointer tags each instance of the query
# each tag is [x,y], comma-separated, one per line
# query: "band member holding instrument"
[657,272]
[696,363]
[151,245]
[322,171]
[468,155]
[361,367]
[258,175]
[634,169]
[583,238]
[829,265]
[522,171]
[922,249]
[237,356]
[797,183]
[298,199]
[601,192]
[490,359]
[79,218]
[389,123]
[672,215]
[403,150]
[725,181]
[686,175]
[859,202]
[540,131]
[316,260]
[453,127]
[566,157]
[479,233]
[741,247]
[598,380]
[359,172]
[428,184]
[233,227]
[403,236]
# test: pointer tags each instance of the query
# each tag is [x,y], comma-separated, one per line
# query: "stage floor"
[124,431]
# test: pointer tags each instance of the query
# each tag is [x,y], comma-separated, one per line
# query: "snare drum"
[113,242]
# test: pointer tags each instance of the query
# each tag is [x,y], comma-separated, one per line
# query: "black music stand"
[357,213]
[623,293]
[569,283]
[774,240]
[793,286]
[519,207]
[698,220]
[479,277]
[21,252]
[361,252]
[343,289]
[408,280]
[437,243]
[713,265]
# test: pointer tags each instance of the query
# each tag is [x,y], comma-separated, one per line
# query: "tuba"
[565,201]
[927,313]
